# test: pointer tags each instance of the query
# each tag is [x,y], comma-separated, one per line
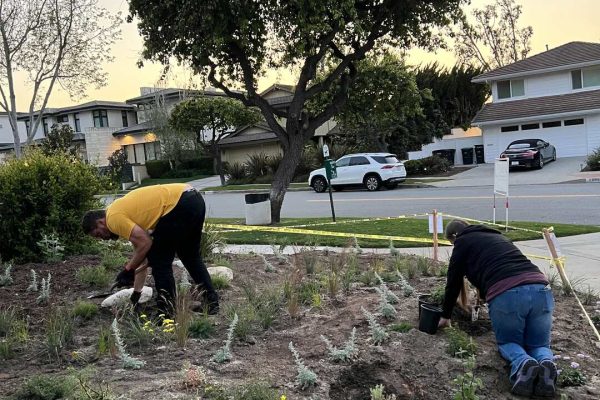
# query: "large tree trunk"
[219,161]
[285,172]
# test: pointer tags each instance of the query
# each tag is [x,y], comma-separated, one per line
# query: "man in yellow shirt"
[159,221]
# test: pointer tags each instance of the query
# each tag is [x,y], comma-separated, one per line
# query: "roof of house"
[144,127]
[567,56]
[170,93]
[278,86]
[90,105]
[239,138]
[539,107]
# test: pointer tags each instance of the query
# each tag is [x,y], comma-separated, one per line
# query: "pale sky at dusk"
[554,22]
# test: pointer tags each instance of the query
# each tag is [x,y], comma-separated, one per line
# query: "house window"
[152,150]
[100,118]
[45,126]
[359,161]
[551,124]
[528,127]
[124,118]
[511,128]
[62,119]
[513,88]
[585,78]
[140,153]
[77,122]
[571,122]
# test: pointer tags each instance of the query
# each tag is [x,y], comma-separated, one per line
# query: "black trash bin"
[467,154]
[479,155]
[448,154]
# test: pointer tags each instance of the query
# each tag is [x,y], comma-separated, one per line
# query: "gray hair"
[455,227]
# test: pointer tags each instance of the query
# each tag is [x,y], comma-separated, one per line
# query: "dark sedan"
[532,153]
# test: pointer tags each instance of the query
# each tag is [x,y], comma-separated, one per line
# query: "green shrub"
[184,173]
[212,242]
[402,327]
[47,387]
[204,164]
[43,194]
[460,344]
[157,168]
[257,165]
[427,166]
[85,309]
[593,160]
[93,276]
[201,328]
[273,162]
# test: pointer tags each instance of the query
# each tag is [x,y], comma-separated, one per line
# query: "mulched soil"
[412,365]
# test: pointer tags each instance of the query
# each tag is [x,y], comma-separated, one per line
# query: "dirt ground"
[411,365]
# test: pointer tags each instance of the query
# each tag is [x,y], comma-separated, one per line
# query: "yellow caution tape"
[326,233]
[359,220]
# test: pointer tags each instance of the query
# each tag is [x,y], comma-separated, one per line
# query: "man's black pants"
[180,231]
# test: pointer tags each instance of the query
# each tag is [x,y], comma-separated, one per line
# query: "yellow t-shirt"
[142,207]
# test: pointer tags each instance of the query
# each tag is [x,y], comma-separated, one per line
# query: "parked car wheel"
[372,183]
[554,156]
[319,184]
[539,163]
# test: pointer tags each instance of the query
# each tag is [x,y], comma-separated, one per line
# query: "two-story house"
[554,96]
[93,124]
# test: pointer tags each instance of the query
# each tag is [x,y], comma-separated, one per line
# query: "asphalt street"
[577,203]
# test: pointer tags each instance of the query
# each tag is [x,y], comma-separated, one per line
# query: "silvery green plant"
[278,252]
[268,266]
[305,378]
[377,393]
[6,278]
[355,245]
[128,361]
[391,296]
[378,334]
[385,308]
[407,289]
[345,354]
[51,247]
[393,251]
[44,295]
[184,280]
[33,286]
[224,353]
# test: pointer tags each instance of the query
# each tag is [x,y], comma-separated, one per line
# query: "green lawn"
[160,181]
[407,227]
[266,186]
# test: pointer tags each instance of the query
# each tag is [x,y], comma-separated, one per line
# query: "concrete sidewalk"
[582,255]
[206,182]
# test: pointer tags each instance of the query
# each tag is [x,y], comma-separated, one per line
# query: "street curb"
[408,186]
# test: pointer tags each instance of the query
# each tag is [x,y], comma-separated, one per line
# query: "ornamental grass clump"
[224,353]
[378,333]
[59,331]
[6,277]
[305,378]
[33,286]
[94,276]
[346,353]
[44,295]
[128,361]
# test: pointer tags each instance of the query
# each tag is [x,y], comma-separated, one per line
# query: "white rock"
[123,296]
[225,272]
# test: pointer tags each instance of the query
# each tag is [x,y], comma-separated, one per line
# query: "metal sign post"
[331,173]
[501,172]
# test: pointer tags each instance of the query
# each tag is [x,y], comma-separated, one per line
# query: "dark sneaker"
[546,383]
[526,377]
[212,301]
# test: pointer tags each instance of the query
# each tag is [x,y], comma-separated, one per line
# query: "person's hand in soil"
[125,278]
[444,323]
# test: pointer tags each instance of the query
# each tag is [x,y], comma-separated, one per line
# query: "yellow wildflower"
[283,397]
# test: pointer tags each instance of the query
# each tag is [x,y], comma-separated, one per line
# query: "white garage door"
[569,141]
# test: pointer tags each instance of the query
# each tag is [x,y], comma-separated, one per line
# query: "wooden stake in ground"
[435,235]
[558,262]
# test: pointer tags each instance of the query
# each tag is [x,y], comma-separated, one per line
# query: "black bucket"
[425,299]
[429,318]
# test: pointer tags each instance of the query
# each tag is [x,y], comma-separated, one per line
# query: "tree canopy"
[233,42]
[210,119]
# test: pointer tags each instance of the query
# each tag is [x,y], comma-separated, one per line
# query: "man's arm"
[141,245]
[454,283]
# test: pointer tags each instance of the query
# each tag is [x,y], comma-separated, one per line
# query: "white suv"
[371,170]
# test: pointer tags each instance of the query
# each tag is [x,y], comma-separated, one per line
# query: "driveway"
[562,170]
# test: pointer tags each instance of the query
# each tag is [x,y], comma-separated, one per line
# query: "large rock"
[122,296]
[226,272]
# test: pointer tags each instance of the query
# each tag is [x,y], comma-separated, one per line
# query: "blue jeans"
[522,320]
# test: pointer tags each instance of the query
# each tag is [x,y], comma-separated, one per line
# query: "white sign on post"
[440,223]
[501,176]
[325,151]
